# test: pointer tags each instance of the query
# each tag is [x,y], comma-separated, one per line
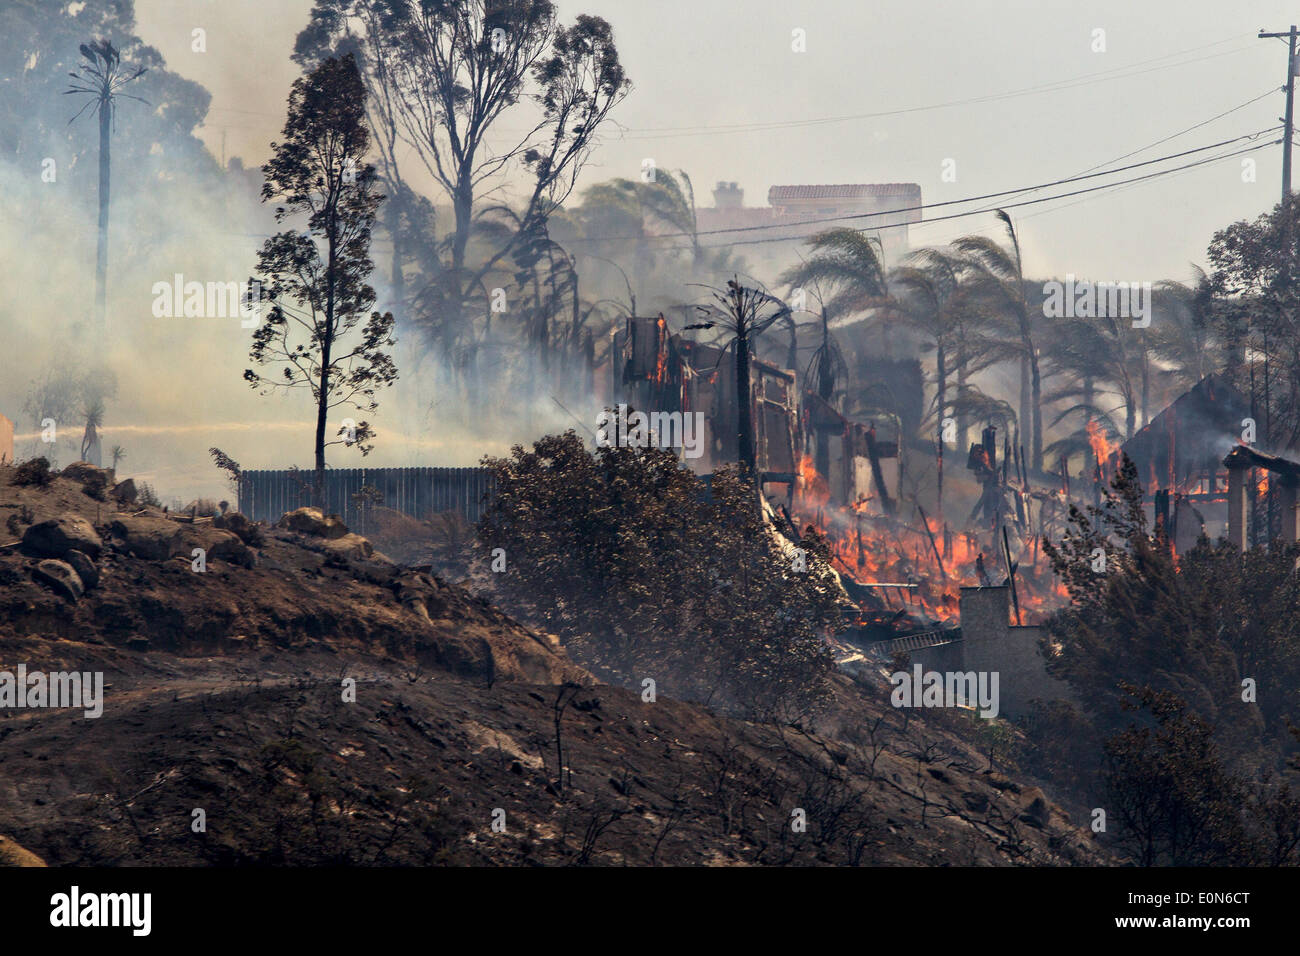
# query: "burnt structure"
[654,370]
[1181,450]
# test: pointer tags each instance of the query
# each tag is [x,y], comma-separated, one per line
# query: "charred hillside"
[224,692]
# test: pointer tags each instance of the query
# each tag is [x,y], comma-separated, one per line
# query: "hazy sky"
[707,72]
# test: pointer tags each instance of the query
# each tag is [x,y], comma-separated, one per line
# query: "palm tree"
[94,415]
[102,77]
[845,275]
[118,454]
[1184,336]
[999,275]
[848,265]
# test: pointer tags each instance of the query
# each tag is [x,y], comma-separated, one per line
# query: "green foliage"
[1175,802]
[1203,776]
[644,573]
[145,495]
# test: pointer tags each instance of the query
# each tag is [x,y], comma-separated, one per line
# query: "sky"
[1005,95]
[964,98]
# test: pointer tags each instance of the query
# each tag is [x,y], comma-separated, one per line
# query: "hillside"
[224,692]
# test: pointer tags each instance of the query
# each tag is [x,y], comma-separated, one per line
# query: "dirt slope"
[225,694]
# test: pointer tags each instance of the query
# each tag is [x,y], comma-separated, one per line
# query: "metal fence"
[418,492]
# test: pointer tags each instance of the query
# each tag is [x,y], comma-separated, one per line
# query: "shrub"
[644,571]
[35,471]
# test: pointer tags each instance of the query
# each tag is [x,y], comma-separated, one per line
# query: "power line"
[670,132]
[1181,132]
[923,206]
[1030,202]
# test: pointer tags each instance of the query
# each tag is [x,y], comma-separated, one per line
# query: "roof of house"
[779,194]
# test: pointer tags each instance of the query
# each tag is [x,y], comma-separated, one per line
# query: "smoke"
[180,388]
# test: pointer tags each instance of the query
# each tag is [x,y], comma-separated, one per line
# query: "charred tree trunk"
[101,252]
[744,410]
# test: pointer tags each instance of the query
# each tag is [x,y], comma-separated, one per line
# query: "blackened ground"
[225,695]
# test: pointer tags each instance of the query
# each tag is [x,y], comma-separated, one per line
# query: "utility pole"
[1286,297]
[1290,36]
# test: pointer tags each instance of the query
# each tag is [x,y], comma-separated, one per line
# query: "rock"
[126,491]
[58,536]
[83,471]
[217,542]
[61,578]
[1003,782]
[154,539]
[312,522]
[248,530]
[350,547]
[85,568]
[377,570]
[1038,812]
[975,802]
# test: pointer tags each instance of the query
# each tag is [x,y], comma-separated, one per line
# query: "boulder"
[975,801]
[85,568]
[350,547]
[217,542]
[61,578]
[126,491]
[1038,811]
[83,471]
[311,521]
[56,537]
[248,530]
[154,539]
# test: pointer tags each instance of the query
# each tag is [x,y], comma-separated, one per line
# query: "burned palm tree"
[743,312]
[847,265]
[102,77]
[94,416]
[998,272]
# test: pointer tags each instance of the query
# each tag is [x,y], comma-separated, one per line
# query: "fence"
[418,492]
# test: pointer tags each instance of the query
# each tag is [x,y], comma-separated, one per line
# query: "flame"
[872,548]
[812,489]
[1262,486]
[661,357]
[1101,446]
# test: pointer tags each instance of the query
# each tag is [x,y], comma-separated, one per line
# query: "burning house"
[1179,456]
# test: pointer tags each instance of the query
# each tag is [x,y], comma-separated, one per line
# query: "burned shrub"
[644,571]
[34,471]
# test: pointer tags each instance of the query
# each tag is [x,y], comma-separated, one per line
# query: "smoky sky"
[720,93]
[1007,94]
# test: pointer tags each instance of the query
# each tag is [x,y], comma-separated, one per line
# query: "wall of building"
[991,644]
[6,441]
